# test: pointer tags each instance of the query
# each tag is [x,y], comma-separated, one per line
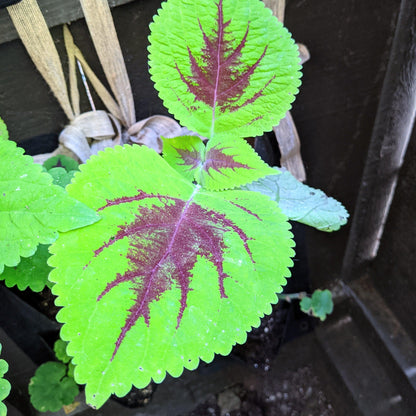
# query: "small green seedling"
[53,384]
[51,388]
[62,169]
[319,305]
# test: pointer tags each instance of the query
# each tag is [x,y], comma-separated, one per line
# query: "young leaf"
[301,202]
[217,166]
[319,305]
[186,154]
[61,161]
[61,177]
[224,68]
[50,388]
[31,272]
[60,351]
[4,134]
[4,384]
[32,209]
[170,275]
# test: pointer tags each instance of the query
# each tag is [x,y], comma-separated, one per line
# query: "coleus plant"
[184,261]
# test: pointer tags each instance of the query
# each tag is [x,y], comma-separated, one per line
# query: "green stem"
[288,297]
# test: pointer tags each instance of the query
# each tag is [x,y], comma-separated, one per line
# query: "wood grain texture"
[393,272]
[55,12]
[391,134]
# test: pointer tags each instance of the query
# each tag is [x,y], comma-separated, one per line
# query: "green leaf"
[60,351]
[32,209]
[4,134]
[223,68]
[71,369]
[61,177]
[50,388]
[61,161]
[217,166]
[186,154]
[320,305]
[4,385]
[171,274]
[31,272]
[301,202]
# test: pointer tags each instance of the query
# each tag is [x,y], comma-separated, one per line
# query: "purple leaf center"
[219,77]
[216,159]
[165,243]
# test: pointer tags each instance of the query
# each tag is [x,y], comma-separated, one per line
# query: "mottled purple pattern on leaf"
[216,159]
[165,243]
[191,158]
[221,78]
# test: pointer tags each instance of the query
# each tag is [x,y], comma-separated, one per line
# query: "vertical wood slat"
[390,136]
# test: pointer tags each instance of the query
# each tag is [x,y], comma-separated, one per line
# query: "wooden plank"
[390,136]
[388,327]
[334,111]
[361,369]
[55,12]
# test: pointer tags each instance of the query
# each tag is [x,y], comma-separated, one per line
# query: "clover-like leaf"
[319,305]
[217,166]
[224,68]
[4,385]
[4,134]
[31,272]
[60,351]
[50,388]
[61,161]
[172,273]
[300,202]
[32,209]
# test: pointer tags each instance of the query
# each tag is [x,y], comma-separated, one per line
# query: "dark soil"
[137,397]
[298,393]
[43,301]
[263,343]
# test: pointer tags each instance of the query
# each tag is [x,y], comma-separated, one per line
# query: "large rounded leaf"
[32,209]
[170,275]
[224,68]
